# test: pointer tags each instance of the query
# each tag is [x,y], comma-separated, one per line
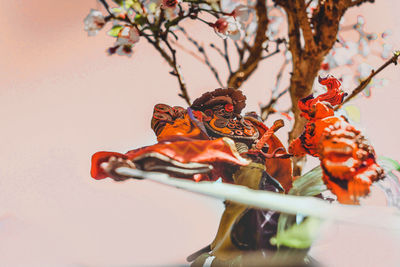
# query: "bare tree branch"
[226,56]
[240,51]
[367,80]
[201,49]
[277,49]
[305,26]
[171,59]
[190,52]
[269,108]
[107,7]
[223,55]
[245,69]
[177,69]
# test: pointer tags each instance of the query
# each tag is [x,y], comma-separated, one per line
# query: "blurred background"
[62,98]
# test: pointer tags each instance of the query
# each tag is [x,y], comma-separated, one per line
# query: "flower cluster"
[127,37]
[156,19]
[348,53]
[233,24]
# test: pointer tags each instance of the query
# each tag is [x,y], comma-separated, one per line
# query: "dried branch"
[308,35]
[226,56]
[223,55]
[202,51]
[366,81]
[107,7]
[171,59]
[240,51]
[190,52]
[269,108]
[219,51]
[277,49]
[177,69]
[245,69]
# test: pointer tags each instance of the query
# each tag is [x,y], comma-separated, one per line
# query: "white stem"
[384,217]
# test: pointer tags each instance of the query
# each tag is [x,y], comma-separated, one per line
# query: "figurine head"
[225,103]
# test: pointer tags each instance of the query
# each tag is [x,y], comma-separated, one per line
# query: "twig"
[190,52]
[366,81]
[201,49]
[217,49]
[279,75]
[157,35]
[178,73]
[277,50]
[270,55]
[107,7]
[213,12]
[223,55]
[240,51]
[226,56]
[269,108]
[245,69]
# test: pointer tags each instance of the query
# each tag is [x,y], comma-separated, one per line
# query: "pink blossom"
[94,22]
[128,36]
[228,26]
[169,4]
[170,8]
[241,13]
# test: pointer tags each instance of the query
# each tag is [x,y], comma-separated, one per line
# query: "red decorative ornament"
[229,107]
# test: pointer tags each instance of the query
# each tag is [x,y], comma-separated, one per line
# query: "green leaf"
[115,30]
[309,184]
[298,236]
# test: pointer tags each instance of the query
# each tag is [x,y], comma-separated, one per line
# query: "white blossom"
[340,56]
[128,36]
[241,13]
[94,22]
[228,26]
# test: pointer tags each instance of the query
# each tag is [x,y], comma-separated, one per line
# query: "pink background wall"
[62,99]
